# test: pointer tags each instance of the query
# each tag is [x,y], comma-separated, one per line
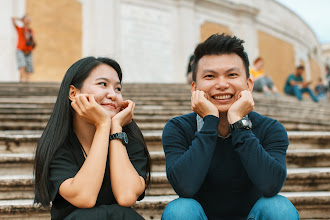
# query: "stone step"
[21,113]
[298,124]
[298,180]
[22,163]
[25,141]
[310,205]
[40,125]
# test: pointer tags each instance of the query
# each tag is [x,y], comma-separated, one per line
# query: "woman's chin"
[112,113]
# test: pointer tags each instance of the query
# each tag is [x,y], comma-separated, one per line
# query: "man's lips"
[222,97]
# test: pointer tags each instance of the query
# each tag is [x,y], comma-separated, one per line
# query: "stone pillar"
[8,39]
[246,29]
[100,27]
[187,35]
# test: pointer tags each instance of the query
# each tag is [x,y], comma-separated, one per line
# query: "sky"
[316,13]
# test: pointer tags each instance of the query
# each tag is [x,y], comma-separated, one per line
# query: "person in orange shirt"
[262,82]
[25,45]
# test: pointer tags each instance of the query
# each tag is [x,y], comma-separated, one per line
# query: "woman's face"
[103,82]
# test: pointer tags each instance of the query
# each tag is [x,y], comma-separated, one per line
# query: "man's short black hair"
[218,44]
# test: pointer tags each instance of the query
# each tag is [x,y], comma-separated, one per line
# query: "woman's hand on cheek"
[125,116]
[89,110]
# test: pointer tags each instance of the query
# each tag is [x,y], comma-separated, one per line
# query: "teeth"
[222,97]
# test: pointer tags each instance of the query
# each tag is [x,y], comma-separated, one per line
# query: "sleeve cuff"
[210,122]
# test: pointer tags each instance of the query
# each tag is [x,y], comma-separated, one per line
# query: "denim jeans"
[297,91]
[277,207]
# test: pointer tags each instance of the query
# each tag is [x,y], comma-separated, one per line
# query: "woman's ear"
[250,84]
[72,92]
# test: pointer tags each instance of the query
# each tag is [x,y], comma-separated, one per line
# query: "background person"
[189,70]
[83,172]
[224,160]
[25,45]
[296,86]
[262,81]
[321,90]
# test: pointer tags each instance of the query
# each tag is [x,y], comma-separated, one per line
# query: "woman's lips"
[110,105]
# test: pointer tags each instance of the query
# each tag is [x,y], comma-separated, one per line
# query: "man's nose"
[222,83]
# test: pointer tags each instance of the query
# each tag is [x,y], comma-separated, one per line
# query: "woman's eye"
[102,84]
[118,89]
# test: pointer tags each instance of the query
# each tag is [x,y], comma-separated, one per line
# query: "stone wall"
[57,27]
[153,39]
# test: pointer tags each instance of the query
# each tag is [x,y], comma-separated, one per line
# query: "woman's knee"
[184,208]
[277,207]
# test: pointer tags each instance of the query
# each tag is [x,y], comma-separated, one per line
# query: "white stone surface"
[8,38]
[153,39]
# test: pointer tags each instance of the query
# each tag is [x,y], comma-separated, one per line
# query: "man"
[224,160]
[25,45]
[295,85]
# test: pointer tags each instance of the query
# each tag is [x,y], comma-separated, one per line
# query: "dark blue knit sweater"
[226,176]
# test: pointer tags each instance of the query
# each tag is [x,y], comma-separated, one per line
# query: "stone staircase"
[25,109]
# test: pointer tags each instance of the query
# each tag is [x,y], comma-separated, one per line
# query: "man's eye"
[233,74]
[209,76]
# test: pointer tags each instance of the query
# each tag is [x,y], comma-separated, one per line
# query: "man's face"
[300,71]
[222,78]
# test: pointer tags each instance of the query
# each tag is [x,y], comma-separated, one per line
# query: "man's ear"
[72,92]
[193,86]
[250,84]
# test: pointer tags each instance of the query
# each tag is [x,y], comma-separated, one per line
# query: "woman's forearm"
[83,189]
[127,185]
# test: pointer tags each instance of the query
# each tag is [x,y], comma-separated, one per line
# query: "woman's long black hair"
[60,124]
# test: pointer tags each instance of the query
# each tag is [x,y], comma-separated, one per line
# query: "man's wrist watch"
[121,135]
[244,123]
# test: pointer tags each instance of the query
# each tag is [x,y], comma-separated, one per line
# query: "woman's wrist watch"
[244,123]
[121,136]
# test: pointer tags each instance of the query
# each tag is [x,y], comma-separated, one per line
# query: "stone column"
[100,27]
[8,39]
[187,35]
[246,29]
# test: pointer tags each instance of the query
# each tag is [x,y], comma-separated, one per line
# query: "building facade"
[153,39]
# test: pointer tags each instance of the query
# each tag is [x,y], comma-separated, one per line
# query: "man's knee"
[184,208]
[277,207]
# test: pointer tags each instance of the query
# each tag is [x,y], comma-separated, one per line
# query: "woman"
[83,172]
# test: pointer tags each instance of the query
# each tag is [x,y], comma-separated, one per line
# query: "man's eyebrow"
[209,71]
[236,69]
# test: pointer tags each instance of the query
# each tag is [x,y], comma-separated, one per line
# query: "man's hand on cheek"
[201,104]
[243,106]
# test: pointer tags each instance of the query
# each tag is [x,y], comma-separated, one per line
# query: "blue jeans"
[297,91]
[277,207]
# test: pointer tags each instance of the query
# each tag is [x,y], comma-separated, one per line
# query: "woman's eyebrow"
[103,78]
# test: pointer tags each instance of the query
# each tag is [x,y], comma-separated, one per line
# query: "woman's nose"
[111,94]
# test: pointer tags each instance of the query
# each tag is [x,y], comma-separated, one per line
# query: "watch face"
[245,122]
